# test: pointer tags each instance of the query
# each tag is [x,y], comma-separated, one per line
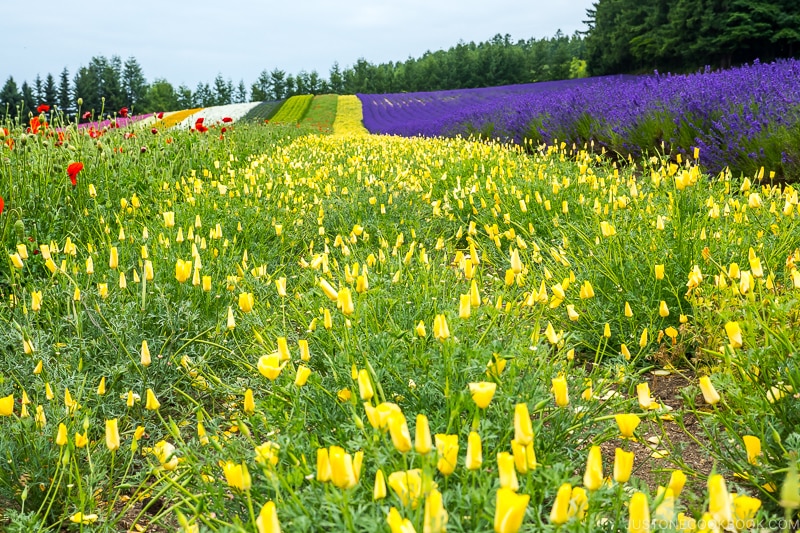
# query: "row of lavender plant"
[422,113]
[744,118]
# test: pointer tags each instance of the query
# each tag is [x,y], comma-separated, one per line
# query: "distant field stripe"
[322,112]
[349,116]
[175,118]
[152,120]
[215,114]
[294,109]
[263,111]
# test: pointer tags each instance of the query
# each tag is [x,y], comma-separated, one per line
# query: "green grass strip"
[294,109]
[322,112]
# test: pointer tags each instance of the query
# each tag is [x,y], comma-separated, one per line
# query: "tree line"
[109,84]
[630,36]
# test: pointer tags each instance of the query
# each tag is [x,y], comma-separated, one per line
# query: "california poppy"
[123,112]
[43,108]
[72,172]
[35,125]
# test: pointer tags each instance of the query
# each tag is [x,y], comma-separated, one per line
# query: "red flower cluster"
[72,172]
[198,125]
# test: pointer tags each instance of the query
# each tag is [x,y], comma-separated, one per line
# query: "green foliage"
[683,36]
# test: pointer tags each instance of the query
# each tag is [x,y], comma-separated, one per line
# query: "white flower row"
[212,115]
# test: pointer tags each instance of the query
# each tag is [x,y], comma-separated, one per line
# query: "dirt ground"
[663,448]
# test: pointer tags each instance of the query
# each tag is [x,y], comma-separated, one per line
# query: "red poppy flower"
[87,115]
[2,205]
[123,112]
[227,119]
[35,125]
[72,172]
[160,115]
[43,108]
[198,125]
[154,131]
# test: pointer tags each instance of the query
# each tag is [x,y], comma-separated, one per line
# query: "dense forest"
[109,83]
[633,36]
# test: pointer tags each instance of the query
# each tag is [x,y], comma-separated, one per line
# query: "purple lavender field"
[743,118]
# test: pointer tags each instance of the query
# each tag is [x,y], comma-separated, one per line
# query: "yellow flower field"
[271,329]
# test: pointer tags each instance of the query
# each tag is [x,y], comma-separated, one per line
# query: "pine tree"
[185,97]
[50,96]
[241,93]
[38,90]
[335,80]
[260,90]
[10,99]
[87,89]
[278,84]
[223,91]
[134,84]
[29,104]
[64,100]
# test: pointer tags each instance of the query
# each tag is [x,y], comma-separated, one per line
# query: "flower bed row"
[744,118]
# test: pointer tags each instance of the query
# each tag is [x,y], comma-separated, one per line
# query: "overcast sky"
[187,42]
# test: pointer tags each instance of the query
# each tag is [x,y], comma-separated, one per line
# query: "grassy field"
[362,333]
[293,109]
